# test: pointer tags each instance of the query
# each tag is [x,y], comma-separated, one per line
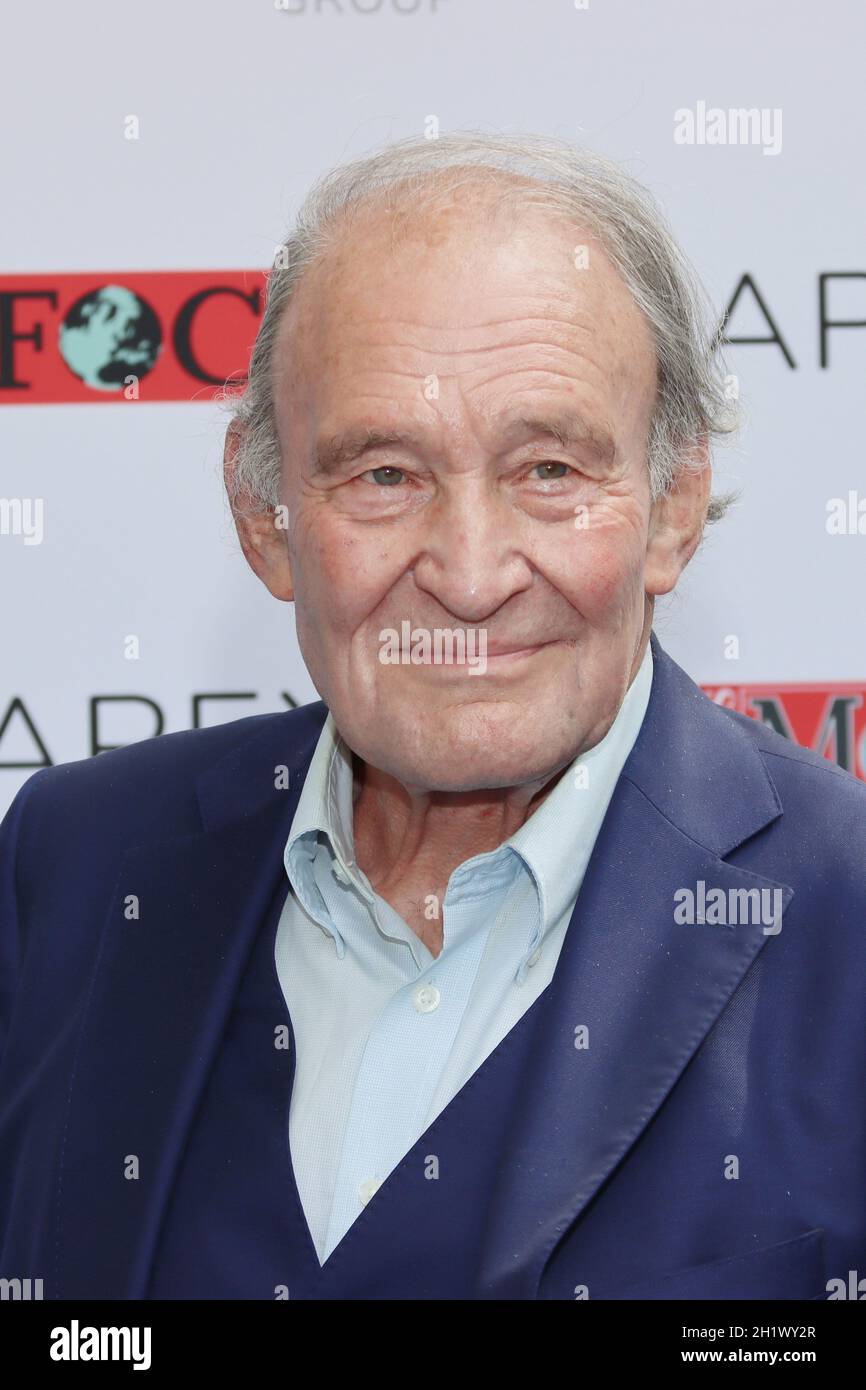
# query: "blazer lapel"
[161,993]
[646,988]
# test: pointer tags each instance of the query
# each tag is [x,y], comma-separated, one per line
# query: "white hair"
[692,401]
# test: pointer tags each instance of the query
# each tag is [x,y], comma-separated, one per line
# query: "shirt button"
[368,1188]
[535,957]
[426,999]
[339,875]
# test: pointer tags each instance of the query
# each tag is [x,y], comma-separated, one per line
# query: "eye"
[393,475]
[553,463]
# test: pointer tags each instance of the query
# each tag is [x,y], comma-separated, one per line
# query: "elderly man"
[513,967]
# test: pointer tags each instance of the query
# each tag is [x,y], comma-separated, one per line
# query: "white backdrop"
[240,105]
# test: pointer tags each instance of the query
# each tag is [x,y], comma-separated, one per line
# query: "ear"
[263,534]
[677,522]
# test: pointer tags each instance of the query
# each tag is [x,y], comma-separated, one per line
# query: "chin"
[462,759]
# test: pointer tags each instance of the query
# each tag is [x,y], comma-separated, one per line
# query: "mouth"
[502,661]
[507,654]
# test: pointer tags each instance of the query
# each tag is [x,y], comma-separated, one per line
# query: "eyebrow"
[333,454]
[568,430]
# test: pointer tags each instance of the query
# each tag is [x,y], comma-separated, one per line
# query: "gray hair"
[692,399]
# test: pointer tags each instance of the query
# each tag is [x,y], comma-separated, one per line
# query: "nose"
[472,561]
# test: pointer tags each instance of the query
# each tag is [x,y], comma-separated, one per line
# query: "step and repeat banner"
[152,161]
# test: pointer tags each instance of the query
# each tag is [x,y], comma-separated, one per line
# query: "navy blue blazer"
[710,1141]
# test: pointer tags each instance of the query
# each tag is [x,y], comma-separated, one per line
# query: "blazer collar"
[697,765]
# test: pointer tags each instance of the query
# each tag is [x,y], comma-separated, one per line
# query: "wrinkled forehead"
[458,261]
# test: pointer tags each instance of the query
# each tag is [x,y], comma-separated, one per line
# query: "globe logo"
[109,335]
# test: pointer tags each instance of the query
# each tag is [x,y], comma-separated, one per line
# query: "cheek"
[342,576]
[605,574]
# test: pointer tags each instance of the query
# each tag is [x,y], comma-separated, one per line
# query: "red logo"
[830,719]
[138,335]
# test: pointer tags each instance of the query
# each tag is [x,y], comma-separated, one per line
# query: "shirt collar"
[557,840]
[324,806]
[555,843]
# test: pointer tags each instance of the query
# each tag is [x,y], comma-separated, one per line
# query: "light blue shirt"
[386,1033]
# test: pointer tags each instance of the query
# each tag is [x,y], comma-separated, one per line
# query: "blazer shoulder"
[152,782]
[795,765]
[823,808]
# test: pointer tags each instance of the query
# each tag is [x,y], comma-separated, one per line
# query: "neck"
[409,840]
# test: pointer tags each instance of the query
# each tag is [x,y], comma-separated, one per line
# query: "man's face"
[510,391]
